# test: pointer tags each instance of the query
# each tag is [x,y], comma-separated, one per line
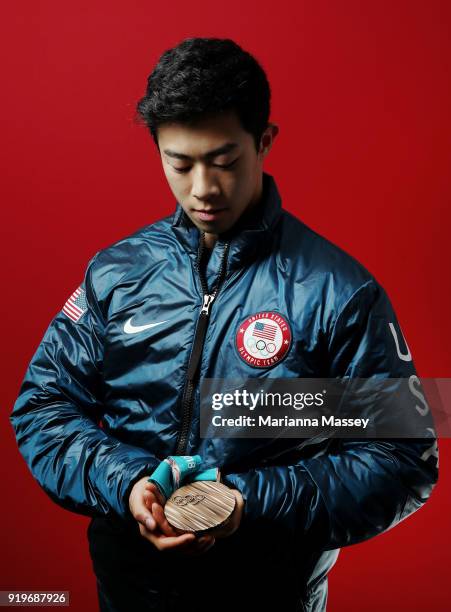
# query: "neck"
[210,240]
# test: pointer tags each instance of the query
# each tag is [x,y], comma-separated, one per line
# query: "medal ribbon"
[176,470]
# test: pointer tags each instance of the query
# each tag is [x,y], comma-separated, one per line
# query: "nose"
[204,185]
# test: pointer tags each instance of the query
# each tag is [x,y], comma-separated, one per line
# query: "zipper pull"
[207,303]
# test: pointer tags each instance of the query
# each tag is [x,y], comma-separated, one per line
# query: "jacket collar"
[248,238]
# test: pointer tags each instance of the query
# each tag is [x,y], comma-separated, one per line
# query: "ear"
[267,138]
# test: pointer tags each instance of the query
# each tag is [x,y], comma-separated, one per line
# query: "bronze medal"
[199,506]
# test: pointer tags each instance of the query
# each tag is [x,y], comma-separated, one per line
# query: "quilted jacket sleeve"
[56,416]
[357,488]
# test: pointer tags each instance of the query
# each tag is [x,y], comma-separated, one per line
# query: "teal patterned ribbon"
[176,470]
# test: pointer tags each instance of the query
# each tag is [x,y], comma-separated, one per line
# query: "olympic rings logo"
[184,500]
[260,346]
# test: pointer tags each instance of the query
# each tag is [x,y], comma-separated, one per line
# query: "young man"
[166,307]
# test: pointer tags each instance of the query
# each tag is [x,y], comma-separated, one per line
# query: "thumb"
[146,520]
[142,514]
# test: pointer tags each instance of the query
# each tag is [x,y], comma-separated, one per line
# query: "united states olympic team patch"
[263,339]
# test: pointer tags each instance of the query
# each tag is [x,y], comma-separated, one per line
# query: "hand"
[146,505]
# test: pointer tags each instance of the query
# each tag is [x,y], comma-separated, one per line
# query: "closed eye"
[226,165]
[181,170]
[223,166]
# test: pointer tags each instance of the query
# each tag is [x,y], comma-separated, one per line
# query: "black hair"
[206,76]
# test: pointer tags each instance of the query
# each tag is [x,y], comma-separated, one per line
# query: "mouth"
[209,214]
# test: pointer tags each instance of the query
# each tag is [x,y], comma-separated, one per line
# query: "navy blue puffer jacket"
[108,395]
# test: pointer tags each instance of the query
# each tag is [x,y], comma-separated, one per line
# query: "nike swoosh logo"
[134,329]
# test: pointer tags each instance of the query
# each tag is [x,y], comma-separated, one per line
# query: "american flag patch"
[264,330]
[76,305]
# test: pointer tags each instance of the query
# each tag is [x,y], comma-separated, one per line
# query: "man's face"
[213,169]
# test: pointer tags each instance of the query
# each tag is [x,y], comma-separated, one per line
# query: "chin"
[211,228]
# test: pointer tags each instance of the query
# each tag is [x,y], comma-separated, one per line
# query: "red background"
[361,92]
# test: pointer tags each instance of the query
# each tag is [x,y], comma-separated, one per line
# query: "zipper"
[198,343]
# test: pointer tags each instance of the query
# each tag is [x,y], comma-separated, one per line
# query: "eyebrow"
[229,146]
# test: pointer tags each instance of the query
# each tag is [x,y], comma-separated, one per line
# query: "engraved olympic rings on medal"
[200,506]
[183,500]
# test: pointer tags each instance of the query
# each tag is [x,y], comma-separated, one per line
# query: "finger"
[185,543]
[160,518]
[152,488]
[143,514]
[209,544]
[149,499]
[206,542]
[198,547]
[164,543]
